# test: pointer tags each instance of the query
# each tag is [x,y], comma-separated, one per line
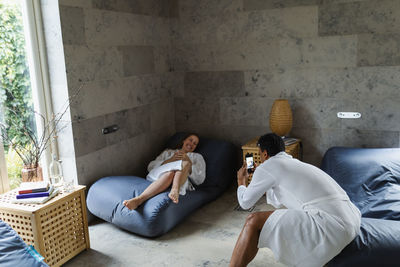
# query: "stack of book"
[35,192]
[289,140]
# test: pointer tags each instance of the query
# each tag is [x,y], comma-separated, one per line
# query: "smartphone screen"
[250,163]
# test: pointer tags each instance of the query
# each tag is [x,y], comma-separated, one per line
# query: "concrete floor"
[205,238]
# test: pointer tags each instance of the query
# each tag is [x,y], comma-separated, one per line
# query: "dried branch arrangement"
[38,142]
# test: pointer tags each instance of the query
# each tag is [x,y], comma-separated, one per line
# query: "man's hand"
[242,175]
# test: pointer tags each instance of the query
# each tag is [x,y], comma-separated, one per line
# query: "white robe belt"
[326,198]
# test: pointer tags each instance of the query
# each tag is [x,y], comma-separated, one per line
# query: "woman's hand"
[180,155]
[242,175]
[177,155]
[186,158]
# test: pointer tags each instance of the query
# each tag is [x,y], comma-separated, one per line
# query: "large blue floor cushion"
[159,214]
[14,252]
[371,178]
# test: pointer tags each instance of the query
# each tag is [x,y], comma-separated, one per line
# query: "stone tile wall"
[215,67]
[117,51]
[325,56]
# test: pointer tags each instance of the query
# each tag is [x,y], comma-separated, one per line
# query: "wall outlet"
[110,129]
[349,115]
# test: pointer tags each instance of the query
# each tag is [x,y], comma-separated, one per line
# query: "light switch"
[349,115]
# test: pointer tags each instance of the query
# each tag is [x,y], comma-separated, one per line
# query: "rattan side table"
[58,229]
[295,149]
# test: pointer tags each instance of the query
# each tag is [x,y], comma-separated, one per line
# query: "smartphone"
[250,163]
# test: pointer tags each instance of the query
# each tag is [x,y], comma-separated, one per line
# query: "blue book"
[38,194]
[36,200]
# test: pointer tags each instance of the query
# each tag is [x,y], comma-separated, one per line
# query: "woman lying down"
[172,168]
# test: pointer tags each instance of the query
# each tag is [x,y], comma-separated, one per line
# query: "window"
[24,79]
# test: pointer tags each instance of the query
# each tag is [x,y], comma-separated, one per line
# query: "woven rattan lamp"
[280,117]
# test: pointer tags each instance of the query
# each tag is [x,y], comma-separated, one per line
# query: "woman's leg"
[153,189]
[179,179]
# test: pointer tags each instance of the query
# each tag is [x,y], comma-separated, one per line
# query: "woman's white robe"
[197,176]
[319,221]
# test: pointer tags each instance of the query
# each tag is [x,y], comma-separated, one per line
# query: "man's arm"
[261,182]
[242,175]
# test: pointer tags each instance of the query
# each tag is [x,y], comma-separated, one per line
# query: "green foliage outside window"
[15,92]
[16,103]
[14,166]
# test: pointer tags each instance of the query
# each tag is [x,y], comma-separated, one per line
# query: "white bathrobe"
[319,221]
[197,176]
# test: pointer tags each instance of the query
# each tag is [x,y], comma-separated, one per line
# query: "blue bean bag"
[159,214]
[371,178]
[14,252]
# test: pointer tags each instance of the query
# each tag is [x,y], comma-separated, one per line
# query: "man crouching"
[318,223]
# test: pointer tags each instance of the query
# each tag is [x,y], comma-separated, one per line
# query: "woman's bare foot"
[132,203]
[174,195]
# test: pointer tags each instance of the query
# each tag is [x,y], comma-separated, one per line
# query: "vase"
[31,173]
[280,117]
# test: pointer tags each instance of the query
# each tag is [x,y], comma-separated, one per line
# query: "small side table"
[58,229]
[294,149]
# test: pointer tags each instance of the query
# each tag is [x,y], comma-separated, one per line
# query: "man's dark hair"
[272,143]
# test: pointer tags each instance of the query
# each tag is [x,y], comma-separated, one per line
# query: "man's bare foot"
[174,195]
[132,203]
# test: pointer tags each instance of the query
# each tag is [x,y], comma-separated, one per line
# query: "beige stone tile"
[266,83]
[316,112]
[174,82]
[162,114]
[93,166]
[374,16]
[245,111]
[162,59]
[75,3]
[334,51]
[85,63]
[319,82]
[271,4]
[229,56]
[374,83]
[208,8]
[379,49]
[316,141]
[137,60]
[268,24]
[197,110]
[144,7]
[89,104]
[87,135]
[381,115]
[131,122]
[109,28]
[214,83]
[72,25]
